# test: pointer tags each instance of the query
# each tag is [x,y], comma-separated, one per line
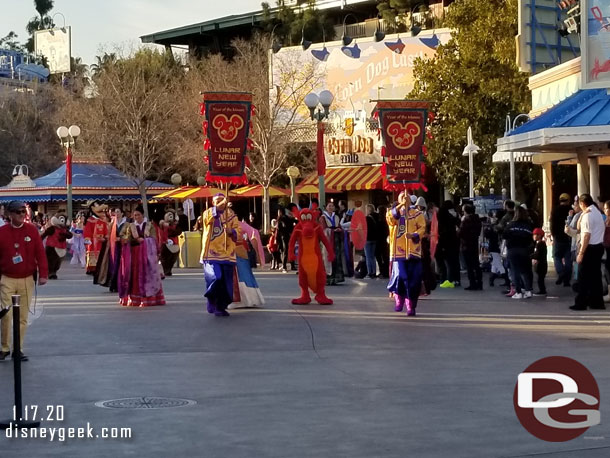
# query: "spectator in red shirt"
[22,257]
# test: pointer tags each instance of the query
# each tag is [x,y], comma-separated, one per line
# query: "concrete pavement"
[350,380]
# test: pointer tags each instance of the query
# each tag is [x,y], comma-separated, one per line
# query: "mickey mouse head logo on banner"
[227,128]
[403,135]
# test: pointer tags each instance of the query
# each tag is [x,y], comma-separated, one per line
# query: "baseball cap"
[538,231]
[15,205]
[564,197]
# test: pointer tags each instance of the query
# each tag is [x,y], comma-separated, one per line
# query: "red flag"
[69,167]
[320,150]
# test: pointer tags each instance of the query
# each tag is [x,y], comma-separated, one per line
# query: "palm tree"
[102,63]
[43,7]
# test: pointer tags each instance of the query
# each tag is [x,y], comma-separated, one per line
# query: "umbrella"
[256,190]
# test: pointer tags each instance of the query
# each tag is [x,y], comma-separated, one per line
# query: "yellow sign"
[349,126]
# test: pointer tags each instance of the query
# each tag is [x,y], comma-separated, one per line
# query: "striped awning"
[188,192]
[168,194]
[256,190]
[348,178]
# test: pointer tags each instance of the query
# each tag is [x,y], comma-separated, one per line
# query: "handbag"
[504,249]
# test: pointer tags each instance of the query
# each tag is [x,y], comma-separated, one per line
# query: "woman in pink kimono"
[139,275]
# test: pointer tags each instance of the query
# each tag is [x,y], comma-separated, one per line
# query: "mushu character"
[312,274]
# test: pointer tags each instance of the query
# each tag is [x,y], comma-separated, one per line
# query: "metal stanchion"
[19,420]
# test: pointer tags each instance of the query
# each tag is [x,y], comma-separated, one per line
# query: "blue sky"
[102,24]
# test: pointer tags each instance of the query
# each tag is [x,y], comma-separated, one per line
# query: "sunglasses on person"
[23,211]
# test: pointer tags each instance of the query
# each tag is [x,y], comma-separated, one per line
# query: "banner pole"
[225,213]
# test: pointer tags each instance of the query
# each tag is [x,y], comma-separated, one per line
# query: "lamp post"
[415,29]
[345,38]
[313,101]
[469,151]
[293,173]
[67,137]
[176,179]
[510,127]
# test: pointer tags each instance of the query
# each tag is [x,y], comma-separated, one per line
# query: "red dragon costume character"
[312,275]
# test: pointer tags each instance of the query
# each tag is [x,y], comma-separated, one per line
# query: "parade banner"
[226,128]
[402,125]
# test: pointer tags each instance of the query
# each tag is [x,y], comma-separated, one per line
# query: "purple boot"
[410,308]
[400,303]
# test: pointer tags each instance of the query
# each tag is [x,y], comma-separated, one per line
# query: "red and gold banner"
[226,126]
[402,126]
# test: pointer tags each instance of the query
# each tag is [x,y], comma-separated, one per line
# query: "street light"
[345,38]
[67,137]
[176,179]
[415,29]
[378,35]
[469,151]
[275,44]
[293,173]
[305,44]
[313,101]
[508,129]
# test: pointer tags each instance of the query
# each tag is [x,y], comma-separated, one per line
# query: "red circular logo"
[557,399]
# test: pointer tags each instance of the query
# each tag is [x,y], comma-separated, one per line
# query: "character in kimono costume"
[407,227]
[95,233]
[331,224]
[221,231]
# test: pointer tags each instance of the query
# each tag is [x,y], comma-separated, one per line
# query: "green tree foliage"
[10,42]
[312,23]
[396,13]
[39,23]
[473,81]
[43,7]
[102,63]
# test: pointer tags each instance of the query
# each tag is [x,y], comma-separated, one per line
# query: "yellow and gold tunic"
[215,246]
[411,222]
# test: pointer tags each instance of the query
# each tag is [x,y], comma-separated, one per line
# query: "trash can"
[190,249]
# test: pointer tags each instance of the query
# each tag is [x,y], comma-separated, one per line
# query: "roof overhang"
[201,28]
[556,143]
[518,156]
[179,35]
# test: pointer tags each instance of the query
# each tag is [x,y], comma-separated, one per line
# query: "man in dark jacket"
[285,226]
[562,242]
[382,249]
[469,233]
[509,208]
[371,241]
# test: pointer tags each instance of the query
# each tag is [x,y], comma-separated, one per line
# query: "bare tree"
[278,122]
[131,117]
